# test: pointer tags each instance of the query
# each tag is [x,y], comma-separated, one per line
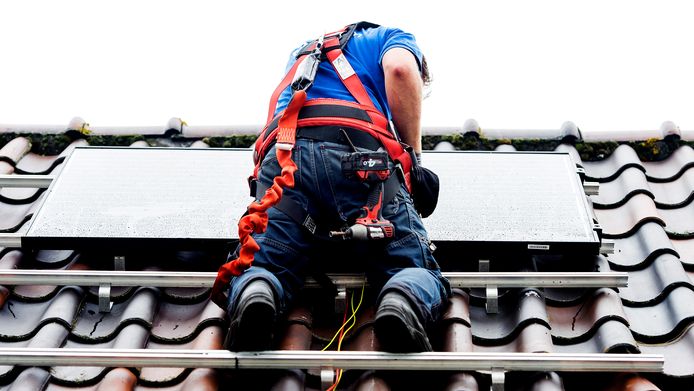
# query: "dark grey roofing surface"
[646,207]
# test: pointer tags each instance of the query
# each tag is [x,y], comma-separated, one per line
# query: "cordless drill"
[371,168]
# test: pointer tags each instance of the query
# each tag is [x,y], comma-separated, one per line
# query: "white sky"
[606,65]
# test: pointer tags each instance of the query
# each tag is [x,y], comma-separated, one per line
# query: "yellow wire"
[348,320]
[352,318]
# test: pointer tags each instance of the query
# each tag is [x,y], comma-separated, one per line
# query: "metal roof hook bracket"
[327,377]
[105,303]
[498,379]
[492,291]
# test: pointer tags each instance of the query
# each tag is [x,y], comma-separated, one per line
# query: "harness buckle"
[306,72]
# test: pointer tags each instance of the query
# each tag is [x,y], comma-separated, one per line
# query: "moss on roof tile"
[647,150]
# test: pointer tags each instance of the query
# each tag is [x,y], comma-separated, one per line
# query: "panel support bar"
[435,361]
[30,181]
[168,279]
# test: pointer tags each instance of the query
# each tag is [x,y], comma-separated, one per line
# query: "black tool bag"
[425,188]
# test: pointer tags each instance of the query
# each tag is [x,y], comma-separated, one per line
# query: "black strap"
[345,36]
[336,134]
[301,216]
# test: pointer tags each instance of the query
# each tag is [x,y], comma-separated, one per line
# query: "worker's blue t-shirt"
[364,51]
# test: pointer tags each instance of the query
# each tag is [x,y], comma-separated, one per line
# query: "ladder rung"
[346,360]
[168,279]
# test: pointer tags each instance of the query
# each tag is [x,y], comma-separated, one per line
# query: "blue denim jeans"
[288,250]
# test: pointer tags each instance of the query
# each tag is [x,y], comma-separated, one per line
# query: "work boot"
[397,326]
[253,320]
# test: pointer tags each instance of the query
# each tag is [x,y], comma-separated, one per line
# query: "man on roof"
[337,167]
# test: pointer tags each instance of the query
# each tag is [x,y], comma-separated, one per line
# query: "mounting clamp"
[327,377]
[491,290]
[498,379]
[105,303]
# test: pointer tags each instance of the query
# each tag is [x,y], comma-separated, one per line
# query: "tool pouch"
[425,188]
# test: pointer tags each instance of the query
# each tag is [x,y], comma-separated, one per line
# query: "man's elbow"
[400,64]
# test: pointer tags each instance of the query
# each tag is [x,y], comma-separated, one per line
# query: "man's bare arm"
[404,92]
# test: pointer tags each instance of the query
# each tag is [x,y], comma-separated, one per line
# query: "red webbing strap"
[281,87]
[256,220]
[347,74]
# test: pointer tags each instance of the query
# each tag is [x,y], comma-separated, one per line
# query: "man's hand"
[404,92]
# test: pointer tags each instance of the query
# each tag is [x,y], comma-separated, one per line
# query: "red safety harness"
[281,130]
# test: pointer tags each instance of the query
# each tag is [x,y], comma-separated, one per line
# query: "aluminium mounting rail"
[297,359]
[29,181]
[168,279]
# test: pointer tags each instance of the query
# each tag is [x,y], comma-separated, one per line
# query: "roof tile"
[625,220]
[649,286]
[501,328]
[133,336]
[665,320]
[21,320]
[94,326]
[671,168]
[579,323]
[679,353]
[606,170]
[641,248]
[617,192]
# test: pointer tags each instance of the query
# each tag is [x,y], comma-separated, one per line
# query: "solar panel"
[180,198]
[505,202]
[118,198]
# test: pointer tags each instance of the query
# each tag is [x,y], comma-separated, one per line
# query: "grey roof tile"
[14,150]
[201,379]
[182,322]
[297,331]
[21,321]
[55,258]
[610,336]
[617,192]
[623,221]
[636,251]
[33,163]
[650,285]
[19,196]
[12,217]
[50,335]
[457,335]
[579,323]
[675,194]
[671,168]
[679,353]
[505,148]
[187,295]
[132,336]
[532,338]
[93,326]
[548,382]
[115,380]
[679,223]
[462,382]
[606,170]
[501,328]
[685,249]
[30,379]
[660,322]
[210,338]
